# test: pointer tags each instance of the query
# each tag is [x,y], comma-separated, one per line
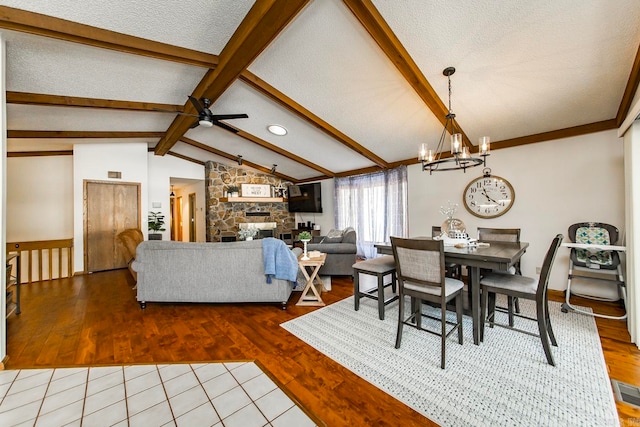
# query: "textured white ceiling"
[42,65]
[354,86]
[87,119]
[302,138]
[203,25]
[523,67]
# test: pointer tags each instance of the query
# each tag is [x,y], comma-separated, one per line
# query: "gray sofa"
[341,253]
[230,272]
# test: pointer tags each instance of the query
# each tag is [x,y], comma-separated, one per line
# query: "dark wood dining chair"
[452,269]
[420,271]
[523,287]
[503,235]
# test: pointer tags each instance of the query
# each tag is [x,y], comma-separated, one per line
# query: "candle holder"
[305,256]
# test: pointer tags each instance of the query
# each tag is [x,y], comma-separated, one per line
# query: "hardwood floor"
[95,320]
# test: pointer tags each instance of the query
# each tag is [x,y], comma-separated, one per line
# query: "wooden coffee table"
[314,287]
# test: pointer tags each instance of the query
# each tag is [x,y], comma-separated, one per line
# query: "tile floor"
[202,394]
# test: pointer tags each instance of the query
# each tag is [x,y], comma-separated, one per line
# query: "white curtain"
[375,205]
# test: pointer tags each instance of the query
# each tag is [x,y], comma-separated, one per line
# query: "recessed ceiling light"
[277,130]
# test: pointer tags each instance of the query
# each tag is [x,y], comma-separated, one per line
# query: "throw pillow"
[334,236]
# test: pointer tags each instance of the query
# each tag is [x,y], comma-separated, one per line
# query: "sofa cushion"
[349,235]
[333,248]
[334,236]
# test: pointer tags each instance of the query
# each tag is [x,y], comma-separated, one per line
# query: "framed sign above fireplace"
[256,190]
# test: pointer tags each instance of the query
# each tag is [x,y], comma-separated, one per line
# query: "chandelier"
[460,155]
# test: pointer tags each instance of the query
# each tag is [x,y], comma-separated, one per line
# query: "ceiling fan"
[208,119]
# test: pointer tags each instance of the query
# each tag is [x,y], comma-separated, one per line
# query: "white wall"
[3,197]
[40,191]
[161,170]
[632,181]
[326,219]
[92,162]
[557,183]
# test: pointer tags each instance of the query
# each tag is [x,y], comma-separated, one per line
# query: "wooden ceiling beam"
[629,90]
[265,20]
[282,152]
[39,153]
[61,29]
[187,158]
[274,148]
[556,134]
[381,32]
[515,142]
[26,98]
[55,134]
[275,95]
[232,157]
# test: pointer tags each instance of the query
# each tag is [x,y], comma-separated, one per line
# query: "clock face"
[488,196]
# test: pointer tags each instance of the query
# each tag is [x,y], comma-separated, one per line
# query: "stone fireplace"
[224,219]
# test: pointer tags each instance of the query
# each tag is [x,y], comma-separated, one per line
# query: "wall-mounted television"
[305,198]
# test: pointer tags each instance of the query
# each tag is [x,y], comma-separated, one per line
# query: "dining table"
[490,255]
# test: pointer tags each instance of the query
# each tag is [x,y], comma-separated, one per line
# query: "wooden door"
[192,217]
[109,209]
[172,226]
[179,218]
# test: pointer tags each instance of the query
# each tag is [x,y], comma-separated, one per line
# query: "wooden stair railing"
[49,253]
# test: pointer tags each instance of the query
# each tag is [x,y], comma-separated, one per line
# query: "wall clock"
[488,196]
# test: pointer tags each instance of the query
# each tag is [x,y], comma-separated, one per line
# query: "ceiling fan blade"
[225,126]
[229,116]
[196,104]
[194,124]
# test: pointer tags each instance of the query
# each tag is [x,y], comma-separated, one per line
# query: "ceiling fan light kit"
[207,119]
[206,123]
[461,157]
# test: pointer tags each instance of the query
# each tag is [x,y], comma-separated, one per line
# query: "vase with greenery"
[305,237]
[233,191]
[248,233]
[156,225]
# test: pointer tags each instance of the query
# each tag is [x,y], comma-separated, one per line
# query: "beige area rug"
[505,381]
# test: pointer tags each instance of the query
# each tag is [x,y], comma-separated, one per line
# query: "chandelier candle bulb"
[422,153]
[485,142]
[456,143]
[465,153]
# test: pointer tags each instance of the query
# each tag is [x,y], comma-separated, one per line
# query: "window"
[375,205]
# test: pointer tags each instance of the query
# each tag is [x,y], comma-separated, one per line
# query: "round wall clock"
[488,196]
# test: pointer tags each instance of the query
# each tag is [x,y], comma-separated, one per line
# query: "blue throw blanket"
[279,261]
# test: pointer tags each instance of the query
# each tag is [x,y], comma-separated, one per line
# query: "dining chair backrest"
[419,261]
[543,281]
[498,234]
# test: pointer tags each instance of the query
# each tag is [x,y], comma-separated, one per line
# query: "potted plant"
[155,225]
[305,236]
[233,191]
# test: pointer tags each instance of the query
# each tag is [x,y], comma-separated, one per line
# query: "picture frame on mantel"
[256,190]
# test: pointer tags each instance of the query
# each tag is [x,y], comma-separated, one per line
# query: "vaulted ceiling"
[358,84]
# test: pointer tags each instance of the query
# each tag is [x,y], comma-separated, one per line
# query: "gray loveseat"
[229,272]
[341,252]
